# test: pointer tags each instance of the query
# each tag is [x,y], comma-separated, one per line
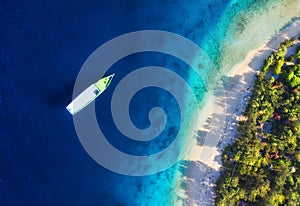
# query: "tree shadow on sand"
[197,183]
[218,131]
[199,177]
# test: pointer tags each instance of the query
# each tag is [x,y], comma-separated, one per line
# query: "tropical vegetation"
[262,167]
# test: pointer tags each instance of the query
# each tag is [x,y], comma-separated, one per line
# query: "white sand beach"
[200,168]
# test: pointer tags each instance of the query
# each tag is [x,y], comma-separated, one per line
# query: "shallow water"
[43,46]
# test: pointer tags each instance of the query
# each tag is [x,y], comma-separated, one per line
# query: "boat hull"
[89,95]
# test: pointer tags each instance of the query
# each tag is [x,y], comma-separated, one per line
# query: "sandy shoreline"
[201,169]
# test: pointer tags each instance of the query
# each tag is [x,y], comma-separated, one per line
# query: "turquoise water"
[217,27]
[43,46]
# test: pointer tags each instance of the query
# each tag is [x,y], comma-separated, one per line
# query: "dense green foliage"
[298,55]
[262,167]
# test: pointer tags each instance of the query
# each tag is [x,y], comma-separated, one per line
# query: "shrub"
[278,65]
[290,58]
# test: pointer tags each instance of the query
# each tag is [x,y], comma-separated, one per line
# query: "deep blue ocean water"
[43,45]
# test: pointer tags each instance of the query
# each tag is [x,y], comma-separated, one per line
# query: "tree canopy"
[262,167]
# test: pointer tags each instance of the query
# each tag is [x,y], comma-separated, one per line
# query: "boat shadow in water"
[59,97]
